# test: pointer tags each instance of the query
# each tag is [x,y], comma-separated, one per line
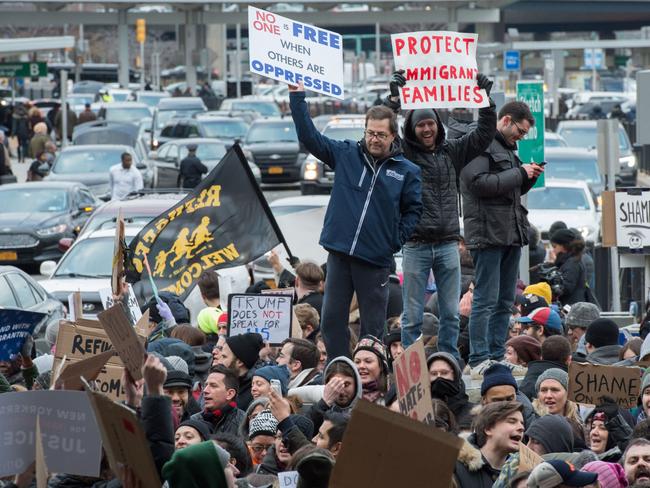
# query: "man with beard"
[178,387]
[636,462]
[447,385]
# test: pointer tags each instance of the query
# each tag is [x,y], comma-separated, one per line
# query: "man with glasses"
[496,228]
[374,207]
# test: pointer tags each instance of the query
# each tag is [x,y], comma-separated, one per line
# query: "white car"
[569,201]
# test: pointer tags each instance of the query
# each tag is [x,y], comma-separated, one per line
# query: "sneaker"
[477,371]
[516,369]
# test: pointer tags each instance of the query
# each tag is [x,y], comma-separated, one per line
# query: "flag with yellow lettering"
[225,221]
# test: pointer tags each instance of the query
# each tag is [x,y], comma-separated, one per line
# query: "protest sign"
[89,368]
[440,69]
[71,440]
[268,315]
[375,433]
[632,214]
[288,479]
[118,255]
[124,440]
[589,382]
[106,296]
[528,458]
[77,342]
[279,291]
[413,385]
[124,338]
[75,306]
[41,466]
[15,327]
[289,51]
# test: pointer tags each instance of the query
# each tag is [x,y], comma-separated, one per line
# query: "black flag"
[225,221]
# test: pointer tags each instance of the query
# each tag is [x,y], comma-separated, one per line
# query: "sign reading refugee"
[268,315]
[440,69]
[633,220]
[15,327]
[413,386]
[286,50]
[589,382]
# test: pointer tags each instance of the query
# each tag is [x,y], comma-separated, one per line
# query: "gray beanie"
[645,382]
[178,364]
[582,314]
[556,374]
[422,114]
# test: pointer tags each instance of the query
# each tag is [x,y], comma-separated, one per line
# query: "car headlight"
[55,229]
[155,143]
[311,170]
[630,161]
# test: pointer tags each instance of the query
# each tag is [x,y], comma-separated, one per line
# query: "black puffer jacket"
[574,278]
[440,169]
[492,185]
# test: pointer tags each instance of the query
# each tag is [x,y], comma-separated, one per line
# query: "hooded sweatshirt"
[196,466]
[452,393]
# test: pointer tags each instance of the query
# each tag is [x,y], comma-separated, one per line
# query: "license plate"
[276,170]
[8,256]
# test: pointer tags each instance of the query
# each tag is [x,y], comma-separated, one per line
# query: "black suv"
[227,129]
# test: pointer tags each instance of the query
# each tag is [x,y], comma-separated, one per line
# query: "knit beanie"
[178,379]
[305,425]
[602,332]
[280,373]
[555,226]
[645,382]
[497,375]
[178,364]
[264,423]
[199,425]
[210,318]
[422,114]
[196,465]
[527,348]
[246,347]
[553,374]
[449,359]
[610,475]
[374,345]
[582,314]
[541,289]
[563,237]
[553,432]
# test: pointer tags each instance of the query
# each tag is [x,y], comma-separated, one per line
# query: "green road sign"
[23,70]
[531,147]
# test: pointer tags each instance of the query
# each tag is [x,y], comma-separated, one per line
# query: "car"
[570,201]
[150,98]
[21,291]
[265,108]
[571,163]
[584,134]
[274,147]
[90,165]
[120,94]
[207,126]
[166,162]
[317,177]
[173,107]
[130,112]
[36,215]
[551,139]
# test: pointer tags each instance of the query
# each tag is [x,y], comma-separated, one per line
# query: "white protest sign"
[289,51]
[71,438]
[106,296]
[633,221]
[440,70]
[268,315]
[288,479]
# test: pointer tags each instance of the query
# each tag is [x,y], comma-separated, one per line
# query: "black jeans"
[346,275]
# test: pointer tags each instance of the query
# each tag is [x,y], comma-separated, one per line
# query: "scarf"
[216,416]
[371,392]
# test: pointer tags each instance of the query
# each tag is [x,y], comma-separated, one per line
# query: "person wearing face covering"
[447,385]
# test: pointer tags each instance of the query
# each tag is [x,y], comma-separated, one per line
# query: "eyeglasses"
[522,133]
[260,448]
[381,136]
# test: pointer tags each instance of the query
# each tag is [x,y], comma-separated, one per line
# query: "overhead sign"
[589,382]
[440,69]
[15,327]
[594,58]
[512,61]
[268,315]
[531,147]
[23,70]
[632,210]
[413,386]
[292,52]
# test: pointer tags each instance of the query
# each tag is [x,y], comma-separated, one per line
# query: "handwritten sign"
[528,458]
[292,52]
[75,306]
[124,338]
[440,69]
[288,479]
[106,296]
[89,368]
[118,255]
[15,327]
[268,315]
[413,386]
[633,221]
[589,382]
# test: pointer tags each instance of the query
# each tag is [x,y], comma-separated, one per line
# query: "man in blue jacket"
[374,207]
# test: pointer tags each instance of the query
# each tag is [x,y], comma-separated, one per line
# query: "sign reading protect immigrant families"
[440,70]
[292,52]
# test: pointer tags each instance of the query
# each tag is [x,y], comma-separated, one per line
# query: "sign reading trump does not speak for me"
[289,51]
[268,315]
[440,69]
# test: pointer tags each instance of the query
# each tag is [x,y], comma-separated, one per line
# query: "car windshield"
[108,221]
[554,142]
[266,109]
[557,198]
[206,151]
[289,209]
[572,169]
[587,137]
[127,114]
[344,133]
[89,258]
[165,116]
[120,97]
[92,161]
[80,99]
[225,129]
[274,132]
[33,200]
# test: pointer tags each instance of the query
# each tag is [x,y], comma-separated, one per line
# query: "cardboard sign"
[632,213]
[106,296]
[89,368]
[288,479]
[118,255]
[15,327]
[289,51]
[413,385]
[124,339]
[589,382]
[528,458]
[77,342]
[440,69]
[376,435]
[124,440]
[71,440]
[41,466]
[268,315]
[75,306]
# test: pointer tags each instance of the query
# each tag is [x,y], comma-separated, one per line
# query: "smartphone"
[275,384]
[543,163]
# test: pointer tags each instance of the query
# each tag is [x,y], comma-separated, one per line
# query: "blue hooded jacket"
[374,208]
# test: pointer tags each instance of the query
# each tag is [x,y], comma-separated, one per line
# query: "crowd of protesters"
[223,410]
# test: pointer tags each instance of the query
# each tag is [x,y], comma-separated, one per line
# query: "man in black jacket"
[191,170]
[496,228]
[434,243]
[556,353]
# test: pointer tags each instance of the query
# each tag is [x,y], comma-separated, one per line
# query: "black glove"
[396,81]
[483,82]
[607,406]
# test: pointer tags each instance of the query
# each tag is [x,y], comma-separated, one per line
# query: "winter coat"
[574,278]
[608,355]
[535,369]
[37,144]
[229,423]
[191,172]
[440,169]
[492,186]
[472,469]
[271,464]
[20,123]
[244,396]
[315,299]
[572,414]
[156,420]
[309,376]
[374,205]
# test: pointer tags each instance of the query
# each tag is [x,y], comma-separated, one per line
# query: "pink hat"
[610,475]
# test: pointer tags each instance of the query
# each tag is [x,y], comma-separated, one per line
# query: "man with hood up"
[447,385]
[434,243]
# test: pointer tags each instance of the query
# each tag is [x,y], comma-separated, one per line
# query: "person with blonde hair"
[37,143]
